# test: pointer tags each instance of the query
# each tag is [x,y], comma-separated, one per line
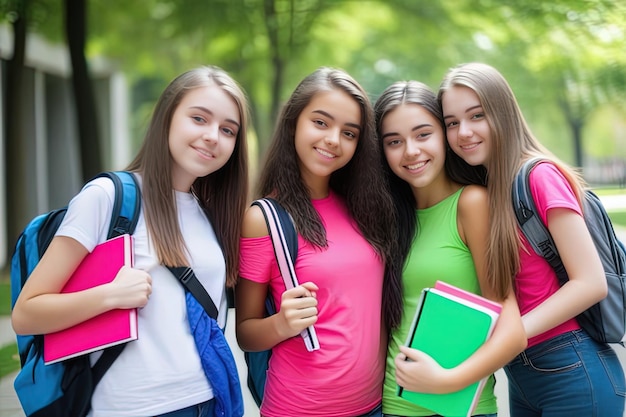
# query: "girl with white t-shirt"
[323,167]
[192,171]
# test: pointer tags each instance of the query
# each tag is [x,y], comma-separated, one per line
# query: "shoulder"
[473,197]
[254,223]
[473,205]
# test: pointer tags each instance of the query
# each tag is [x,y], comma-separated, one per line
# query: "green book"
[450,324]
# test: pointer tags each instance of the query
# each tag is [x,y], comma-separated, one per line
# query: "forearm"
[507,340]
[257,334]
[559,307]
[48,313]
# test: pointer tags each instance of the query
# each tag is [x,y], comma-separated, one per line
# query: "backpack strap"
[127,203]
[285,242]
[531,225]
[190,282]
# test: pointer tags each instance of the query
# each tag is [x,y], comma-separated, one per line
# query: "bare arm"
[298,308]
[586,285]
[508,339]
[41,308]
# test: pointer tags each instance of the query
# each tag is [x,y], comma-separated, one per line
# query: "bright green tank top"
[437,253]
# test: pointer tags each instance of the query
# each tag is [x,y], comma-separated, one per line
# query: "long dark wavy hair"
[360,182]
[222,194]
[414,92]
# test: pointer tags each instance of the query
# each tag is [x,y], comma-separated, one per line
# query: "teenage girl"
[563,372]
[192,168]
[443,232]
[323,167]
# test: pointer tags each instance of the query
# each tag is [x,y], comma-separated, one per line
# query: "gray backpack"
[606,320]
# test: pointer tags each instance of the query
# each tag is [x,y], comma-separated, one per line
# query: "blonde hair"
[222,194]
[512,143]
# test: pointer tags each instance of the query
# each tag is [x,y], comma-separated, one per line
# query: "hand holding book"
[419,372]
[101,267]
[450,324]
[131,288]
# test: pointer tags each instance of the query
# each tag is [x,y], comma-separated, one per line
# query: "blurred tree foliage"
[564,58]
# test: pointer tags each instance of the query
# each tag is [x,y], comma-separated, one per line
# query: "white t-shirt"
[161,371]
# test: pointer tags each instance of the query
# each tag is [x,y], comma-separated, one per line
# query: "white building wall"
[53,173]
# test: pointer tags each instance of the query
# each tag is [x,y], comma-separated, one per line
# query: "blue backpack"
[63,388]
[606,320]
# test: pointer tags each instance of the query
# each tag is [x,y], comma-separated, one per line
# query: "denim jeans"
[568,375]
[376,412]
[204,409]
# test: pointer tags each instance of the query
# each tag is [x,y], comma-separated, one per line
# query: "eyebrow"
[418,127]
[322,112]
[466,111]
[204,109]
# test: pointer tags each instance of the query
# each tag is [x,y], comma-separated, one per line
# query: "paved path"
[10,406]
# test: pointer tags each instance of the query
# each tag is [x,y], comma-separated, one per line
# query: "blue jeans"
[204,409]
[568,375]
[376,412]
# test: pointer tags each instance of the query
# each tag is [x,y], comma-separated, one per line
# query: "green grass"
[9,359]
[618,218]
[5,298]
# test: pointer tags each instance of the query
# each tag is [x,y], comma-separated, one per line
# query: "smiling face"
[414,145]
[467,128]
[326,137]
[202,135]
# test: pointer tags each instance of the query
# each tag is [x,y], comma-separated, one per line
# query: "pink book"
[468,296]
[107,329]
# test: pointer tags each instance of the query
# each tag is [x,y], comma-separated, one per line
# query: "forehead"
[408,115]
[459,94]
[213,98]
[337,103]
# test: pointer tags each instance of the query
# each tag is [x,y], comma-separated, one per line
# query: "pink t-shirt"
[536,280]
[345,376]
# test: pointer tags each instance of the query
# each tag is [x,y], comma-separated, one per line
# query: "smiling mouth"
[325,153]
[204,153]
[470,146]
[416,166]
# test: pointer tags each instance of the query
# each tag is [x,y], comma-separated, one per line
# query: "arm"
[508,339]
[298,308]
[40,308]
[587,283]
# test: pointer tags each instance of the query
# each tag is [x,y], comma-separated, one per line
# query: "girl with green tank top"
[443,232]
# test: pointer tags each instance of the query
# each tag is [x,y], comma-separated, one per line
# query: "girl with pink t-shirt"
[323,167]
[563,372]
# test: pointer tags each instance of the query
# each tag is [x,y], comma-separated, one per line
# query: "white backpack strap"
[273,218]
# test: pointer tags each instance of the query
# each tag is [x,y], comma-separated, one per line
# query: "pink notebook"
[107,329]
[468,296]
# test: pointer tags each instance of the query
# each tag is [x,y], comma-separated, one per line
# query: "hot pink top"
[345,376]
[536,280]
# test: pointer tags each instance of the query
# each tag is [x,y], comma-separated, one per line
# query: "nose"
[211,133]
[465,130]
[332,138]
[412,147]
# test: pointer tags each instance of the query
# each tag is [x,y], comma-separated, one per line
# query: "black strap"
[189,280]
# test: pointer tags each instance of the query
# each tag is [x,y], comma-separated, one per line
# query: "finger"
[310,286]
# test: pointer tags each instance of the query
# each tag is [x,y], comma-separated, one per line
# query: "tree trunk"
[84,99]
[15,143]
[277,64]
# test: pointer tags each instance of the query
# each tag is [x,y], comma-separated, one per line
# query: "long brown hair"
[360,182]
[512,143]
[222,194]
